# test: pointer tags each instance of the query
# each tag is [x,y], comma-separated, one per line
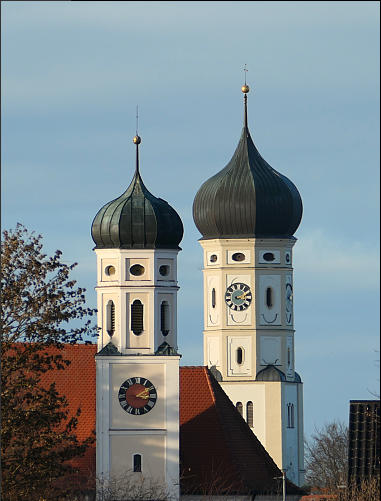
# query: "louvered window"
[239,407]
[249,413]
[137,317]
[110,318]
[164,318]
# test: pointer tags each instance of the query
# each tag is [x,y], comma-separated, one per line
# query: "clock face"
[238,296]
[137,396]
[289,297]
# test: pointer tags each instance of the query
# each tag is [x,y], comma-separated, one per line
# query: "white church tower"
[247,214]
[137,240]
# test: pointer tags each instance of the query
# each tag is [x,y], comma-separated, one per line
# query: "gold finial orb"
[137,140]
[245,89]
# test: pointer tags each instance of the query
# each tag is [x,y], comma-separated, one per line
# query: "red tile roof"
[77,383]
[218,451]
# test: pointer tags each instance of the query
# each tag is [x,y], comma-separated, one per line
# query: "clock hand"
[242,296]
[143,394]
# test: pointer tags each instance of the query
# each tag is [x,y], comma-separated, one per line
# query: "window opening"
[137,317]
[238,256]
[164,318]
[268,256]
[213,258]
[110,270]
[239,407]
[137,270]
[164,270]
[288,356]
[290,416]
[250,414]
[239,356]
[110,318]
[213,298]
[137,462]
[269,297]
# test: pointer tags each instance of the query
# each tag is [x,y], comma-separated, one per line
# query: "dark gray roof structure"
[137,219]
[248,198]
[270,373]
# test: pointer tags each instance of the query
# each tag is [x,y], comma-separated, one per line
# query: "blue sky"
[72,75]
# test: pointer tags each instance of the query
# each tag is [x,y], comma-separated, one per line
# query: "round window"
[110,270]
[164,270]
[238,256]
[137,270]
[213,258]
[268,256]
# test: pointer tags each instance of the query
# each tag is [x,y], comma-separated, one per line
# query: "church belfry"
[247,214]
[137,238]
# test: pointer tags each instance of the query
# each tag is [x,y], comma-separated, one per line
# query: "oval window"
[213,258]
[239,356]
[137,270]
[238,256]
[110,270]
[269,297]
[288,258]
[268,256]
[164,270]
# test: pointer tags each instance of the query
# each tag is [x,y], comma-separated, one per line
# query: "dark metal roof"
[137,220]
[248,198]
[270,373]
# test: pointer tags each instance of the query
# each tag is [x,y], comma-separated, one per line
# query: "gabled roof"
[219,453]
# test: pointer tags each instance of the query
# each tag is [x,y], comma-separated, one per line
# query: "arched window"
[239,356]
[164,318]
[239,407]
[137,317]
[213,298]
[110,318]
[290,416]
[250,414]
[137,462]
[269,297]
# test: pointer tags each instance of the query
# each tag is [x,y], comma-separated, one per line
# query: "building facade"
[137,240]
[247,214]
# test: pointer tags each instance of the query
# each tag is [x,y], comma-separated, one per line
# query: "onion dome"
[248,198]
[137,219]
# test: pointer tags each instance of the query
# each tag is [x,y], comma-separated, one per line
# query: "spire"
[137,140]
[245,89]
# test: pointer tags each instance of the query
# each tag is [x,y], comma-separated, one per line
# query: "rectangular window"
[137,462]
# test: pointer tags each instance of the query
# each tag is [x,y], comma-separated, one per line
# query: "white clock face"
[238,296]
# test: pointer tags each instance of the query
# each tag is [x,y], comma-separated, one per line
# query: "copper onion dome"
[248,198]
[137,219]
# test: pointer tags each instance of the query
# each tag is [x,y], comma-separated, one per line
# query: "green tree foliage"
[327,457]
[38,306]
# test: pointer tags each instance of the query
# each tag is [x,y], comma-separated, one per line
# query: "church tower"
[137,240]
[247,214]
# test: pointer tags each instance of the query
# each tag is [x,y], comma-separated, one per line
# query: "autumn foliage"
[41,309]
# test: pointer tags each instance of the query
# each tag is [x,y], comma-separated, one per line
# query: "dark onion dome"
[248,198]
[137,219]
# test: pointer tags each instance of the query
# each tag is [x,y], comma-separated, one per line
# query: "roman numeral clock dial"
[137,396]
[238,296]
